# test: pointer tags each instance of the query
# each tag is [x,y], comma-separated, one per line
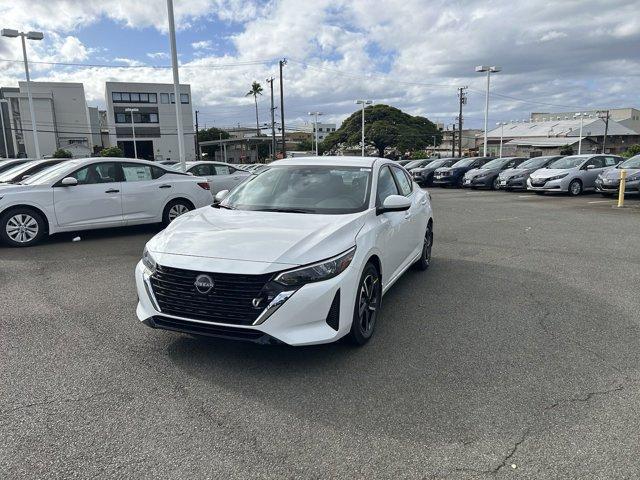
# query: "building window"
[184,98]
[144,97]
[137,118]
[164,98]
[116,96]
[121,118]
[153,98]
[135,97]
[128,97]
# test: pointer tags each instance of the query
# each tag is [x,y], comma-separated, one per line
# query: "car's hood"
[14,188]
[474,172]
[550,172]
[514,172]
[614,173]
[270,237]
[451,169]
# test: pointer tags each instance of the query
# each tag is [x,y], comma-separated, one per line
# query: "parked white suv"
[300,253]
[96,193]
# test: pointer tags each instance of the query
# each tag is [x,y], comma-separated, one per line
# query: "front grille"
[538,183]
[333,318]
[229,301]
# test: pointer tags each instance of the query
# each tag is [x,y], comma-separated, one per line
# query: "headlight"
[148,261]
[517,177]
[557,177]
[318,271]
[632,178]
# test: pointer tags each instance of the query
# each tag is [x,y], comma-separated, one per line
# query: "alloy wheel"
[22,228]
[368,304]
[575,188]
[176,210]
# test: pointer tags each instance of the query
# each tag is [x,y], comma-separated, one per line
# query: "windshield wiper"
[219,205]
[285,210]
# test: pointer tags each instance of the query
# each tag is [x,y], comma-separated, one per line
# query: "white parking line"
[601,201]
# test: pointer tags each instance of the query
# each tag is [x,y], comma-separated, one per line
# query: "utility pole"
[605,117]
[273,121]
[176,84]
[225,156]
[282,63]
[196,138]
[453,141]
[462,98]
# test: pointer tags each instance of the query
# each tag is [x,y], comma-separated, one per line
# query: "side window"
[97,173]
[610,161]
[136,172]
[597,162]
[403,181]
[157,172]
[202,170]
[222,170]
[386,185]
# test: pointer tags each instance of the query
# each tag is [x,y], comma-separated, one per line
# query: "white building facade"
[154,121]
[324,129]
[62,119]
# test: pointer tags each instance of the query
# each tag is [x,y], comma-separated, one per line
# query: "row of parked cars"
[42,197]
[573,174]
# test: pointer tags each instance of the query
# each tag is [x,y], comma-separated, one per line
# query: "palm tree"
[256,89]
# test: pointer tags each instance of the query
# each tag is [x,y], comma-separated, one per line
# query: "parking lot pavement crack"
[53,401]
[584,398]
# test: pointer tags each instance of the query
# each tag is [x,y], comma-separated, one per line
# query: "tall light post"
[3,101]
[489,70]
[176,84]
[364,103]
[501,125]
[133,130]
[581,115]
[7,32]
[315,127]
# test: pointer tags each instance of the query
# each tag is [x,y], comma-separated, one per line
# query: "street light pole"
[315,127]
[4,132]
[581,115]
[363,103]
[7,32]
[176,84]
[501,125]
[489,70]
[133,130]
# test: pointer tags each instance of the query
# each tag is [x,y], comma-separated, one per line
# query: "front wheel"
[367,305]
[496,184]
[22,227]
[575,188]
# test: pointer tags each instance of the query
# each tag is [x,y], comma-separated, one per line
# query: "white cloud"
[158,55]
[202,45]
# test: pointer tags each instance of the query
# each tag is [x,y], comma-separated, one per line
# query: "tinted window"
[157,172]
[136,172]
[567,162]
[386,185]
[202,170]
[97,173]
[403,181]
[610,161]
[222,169]
[597,162]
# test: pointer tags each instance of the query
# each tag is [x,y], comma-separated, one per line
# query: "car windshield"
[572,161]
[497,163]
[10,174]
[537,162]
[49,174]
[465,162]
[437,163]
[304,189]
[413,163]
[633,162]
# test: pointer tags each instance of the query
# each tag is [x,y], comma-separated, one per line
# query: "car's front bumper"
[560,185]
[614,186]
[300,320]
[477,182]
[512,183]
[449,180]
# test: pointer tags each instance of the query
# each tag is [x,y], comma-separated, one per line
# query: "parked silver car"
[573,174]
[608,182]
[516,178]
[221,176]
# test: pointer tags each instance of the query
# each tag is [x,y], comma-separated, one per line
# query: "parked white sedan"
[221,176]
[93,193]
[300,253]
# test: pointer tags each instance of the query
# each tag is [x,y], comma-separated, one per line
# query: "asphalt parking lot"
[515,356]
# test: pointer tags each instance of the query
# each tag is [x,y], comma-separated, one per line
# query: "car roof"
[333,161]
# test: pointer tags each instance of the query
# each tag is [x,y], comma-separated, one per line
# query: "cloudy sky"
[412,54]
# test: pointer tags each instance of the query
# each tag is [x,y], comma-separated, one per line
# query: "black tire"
[425,258]
[22,227]
[174,209]
[495,185]
[367,305]
[575,188]
[460,182]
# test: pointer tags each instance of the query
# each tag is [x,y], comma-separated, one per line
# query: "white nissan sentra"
[299,254]
[93,193]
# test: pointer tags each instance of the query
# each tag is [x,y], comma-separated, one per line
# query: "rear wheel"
[367,305]
[174,209]
[575,188]
[425,258]
[22,227]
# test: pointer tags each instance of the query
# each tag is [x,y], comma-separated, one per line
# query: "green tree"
[632,151]
[566,150]
[211,134]
[61,153]
[256,89]
[111,152]
[420,154]
[385,126]
[305,145]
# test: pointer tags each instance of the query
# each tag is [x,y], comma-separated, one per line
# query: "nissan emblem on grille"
[204,284]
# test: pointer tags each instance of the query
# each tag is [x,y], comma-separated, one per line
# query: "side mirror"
[221,195]
[590,167]
[394,203]
[69,182]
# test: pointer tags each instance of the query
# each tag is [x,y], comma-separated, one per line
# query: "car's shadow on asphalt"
[430,372]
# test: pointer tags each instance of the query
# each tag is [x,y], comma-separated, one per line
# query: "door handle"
[236,178]
[165,186]
[112,191]
[423,202]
